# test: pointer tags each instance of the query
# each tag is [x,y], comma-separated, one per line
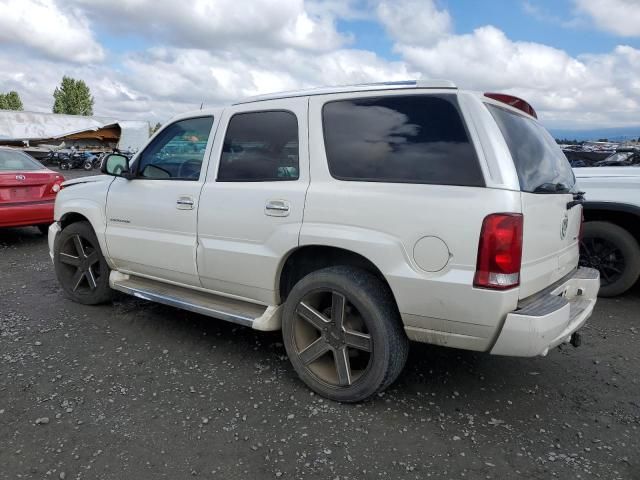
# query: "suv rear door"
[551,229]
[251,207]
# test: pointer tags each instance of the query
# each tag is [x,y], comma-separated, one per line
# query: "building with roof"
[37,132]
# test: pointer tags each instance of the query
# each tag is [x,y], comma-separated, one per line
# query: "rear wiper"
[552,188]
[578,199]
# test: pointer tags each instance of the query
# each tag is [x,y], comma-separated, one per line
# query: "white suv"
[354,219]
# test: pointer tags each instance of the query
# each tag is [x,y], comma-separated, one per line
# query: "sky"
[576,61]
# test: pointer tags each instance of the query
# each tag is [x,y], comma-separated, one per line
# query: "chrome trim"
[178,303]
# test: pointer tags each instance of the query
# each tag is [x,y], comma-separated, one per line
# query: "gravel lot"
[140,390]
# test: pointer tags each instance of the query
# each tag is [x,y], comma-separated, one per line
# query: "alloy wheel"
[331,339]
[604,256]
[81,264]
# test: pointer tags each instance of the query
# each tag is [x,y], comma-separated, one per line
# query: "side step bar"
[231,310]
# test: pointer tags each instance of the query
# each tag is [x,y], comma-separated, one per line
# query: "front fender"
[87,200]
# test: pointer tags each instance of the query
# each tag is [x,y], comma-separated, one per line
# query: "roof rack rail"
[399,84]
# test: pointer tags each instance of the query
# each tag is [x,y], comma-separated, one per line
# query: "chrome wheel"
[331,339]
[80,264]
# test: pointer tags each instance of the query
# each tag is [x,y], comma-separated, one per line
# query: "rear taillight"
[499,252]
[57,184]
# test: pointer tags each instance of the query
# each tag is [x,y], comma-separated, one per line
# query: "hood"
[92,179]
[599,172]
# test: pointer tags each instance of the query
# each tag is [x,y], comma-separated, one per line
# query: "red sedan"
[27,191]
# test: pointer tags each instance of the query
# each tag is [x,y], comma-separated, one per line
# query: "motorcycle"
[77,160]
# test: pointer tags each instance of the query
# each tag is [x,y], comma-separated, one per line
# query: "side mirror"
[116,165]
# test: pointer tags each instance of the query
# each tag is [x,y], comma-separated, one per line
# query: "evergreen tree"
[10,101]
[73,97]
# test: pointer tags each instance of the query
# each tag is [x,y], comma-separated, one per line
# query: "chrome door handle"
[185,203]
[277,208]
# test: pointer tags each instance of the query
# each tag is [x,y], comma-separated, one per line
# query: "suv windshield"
[539,161]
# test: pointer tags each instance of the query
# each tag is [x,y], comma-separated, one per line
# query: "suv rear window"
[400,139]
[538,159]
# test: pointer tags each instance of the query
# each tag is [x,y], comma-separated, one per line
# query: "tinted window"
[260,146]
[177,152]
[537,157]
[408,139]
[10,160]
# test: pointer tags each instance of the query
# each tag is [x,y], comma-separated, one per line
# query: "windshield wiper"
[552,188]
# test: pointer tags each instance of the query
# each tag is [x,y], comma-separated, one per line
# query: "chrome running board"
[231,310]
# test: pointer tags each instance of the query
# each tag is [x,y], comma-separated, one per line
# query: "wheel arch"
[72,217]
[621,214]
[305,259]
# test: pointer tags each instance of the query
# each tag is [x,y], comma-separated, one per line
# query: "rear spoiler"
[514,102]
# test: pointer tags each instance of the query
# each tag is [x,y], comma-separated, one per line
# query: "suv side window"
[400,139]
[260,147]
[177,152]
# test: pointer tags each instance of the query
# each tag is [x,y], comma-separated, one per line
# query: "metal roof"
[362,87]
[26,126]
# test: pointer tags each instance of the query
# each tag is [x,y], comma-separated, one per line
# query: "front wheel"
[343,333]
[88,165]
[614,252]
[80,266]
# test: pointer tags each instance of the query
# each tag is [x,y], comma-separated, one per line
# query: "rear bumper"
[31,213]
[550,318]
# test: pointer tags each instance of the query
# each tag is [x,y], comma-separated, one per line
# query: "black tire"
[613,251]
[88,165]
[44,228]
[64,166]
[364,299]
[82,270]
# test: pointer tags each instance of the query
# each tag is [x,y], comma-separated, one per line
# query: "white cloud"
[43,26]
[215,24]
[414,22]
[621,17]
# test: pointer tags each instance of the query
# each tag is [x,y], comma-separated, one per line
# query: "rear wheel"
[614,252]
[343,333]
[80,266]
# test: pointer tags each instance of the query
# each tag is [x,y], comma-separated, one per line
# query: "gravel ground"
[140,390]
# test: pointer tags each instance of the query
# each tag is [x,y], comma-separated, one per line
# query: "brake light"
[499,252]
[57,184]
[513,101]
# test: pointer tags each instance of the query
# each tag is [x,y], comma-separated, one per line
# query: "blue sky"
[556,23]
[576,61]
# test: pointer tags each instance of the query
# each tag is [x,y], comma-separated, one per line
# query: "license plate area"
[21,193]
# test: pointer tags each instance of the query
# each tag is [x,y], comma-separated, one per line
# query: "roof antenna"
[201,105]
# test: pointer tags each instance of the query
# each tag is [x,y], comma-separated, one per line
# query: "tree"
[10,101]
[154,129]
[73,97]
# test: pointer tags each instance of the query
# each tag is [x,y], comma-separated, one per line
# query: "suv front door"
[152,218]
